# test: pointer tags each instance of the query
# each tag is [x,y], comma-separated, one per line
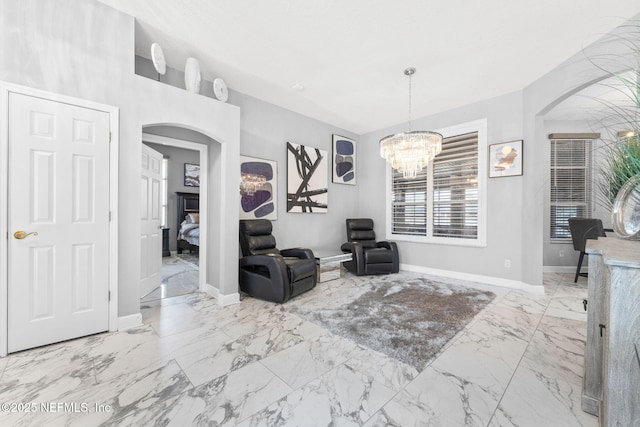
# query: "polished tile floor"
[518,363]
[180,274]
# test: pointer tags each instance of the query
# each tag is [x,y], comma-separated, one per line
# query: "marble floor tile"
[557,349]
[532,304]
[222,402]
[379,367]
[535,399]
[303,362]
[119,397]
[342,396]
[438,398]
[517,363]
[569,307]
[579,291]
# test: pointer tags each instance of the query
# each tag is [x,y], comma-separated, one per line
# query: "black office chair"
[268,273]
[369,256]
[583,229]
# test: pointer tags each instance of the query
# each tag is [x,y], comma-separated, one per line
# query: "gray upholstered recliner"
[268,273]
[369,256]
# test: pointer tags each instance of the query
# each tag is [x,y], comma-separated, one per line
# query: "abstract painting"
[258,188]
[344,160]
[505,159]
[191,175]
[307,179]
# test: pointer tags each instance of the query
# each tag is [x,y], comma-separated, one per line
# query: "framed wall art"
[505,159]
[307,179]
[191,175]
[258,188]
[344,160]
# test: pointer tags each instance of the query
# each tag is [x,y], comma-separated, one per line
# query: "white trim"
[560,268]
[130,321]
[114,148]
[5,89]
[4,246]
[223,300]
[479,126]
[203,150]
[487,280]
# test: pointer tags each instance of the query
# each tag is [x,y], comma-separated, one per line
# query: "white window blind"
[570,194]
[449,187]
[455,188]
[409,204]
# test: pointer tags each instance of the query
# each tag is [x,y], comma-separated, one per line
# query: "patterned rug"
[409,319]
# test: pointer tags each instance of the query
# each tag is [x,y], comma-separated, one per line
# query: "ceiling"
[349,55]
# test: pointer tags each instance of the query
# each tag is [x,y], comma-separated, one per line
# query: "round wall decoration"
[220,90]
[157,57]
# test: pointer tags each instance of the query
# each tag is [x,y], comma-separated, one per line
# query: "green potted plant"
[620,169]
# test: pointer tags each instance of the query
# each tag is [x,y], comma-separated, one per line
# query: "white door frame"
[5,89]
[203,149]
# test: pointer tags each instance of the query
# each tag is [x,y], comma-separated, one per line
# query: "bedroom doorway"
[180,253]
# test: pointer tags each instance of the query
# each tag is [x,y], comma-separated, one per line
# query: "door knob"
[22,234]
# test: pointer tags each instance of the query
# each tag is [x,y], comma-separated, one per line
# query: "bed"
[188,222]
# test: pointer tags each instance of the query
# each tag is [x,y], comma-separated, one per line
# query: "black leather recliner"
[583,229]
[268,273]
[369,256]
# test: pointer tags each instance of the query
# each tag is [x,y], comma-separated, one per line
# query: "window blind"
[455,188]
[409,204]
[570,192]
[450,188]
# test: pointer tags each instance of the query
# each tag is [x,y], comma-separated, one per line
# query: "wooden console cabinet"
[611,387]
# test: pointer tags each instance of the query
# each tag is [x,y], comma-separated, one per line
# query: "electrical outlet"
[561,254]
[507,263]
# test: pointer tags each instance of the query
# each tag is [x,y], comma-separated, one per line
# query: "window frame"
[479,126]
[588,179]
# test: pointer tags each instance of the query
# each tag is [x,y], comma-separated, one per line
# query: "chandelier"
[250,183]
[409,152]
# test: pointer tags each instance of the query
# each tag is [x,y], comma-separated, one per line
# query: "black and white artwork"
[307,179]
[191,175]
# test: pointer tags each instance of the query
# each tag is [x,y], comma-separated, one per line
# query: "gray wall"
[265,130]
[177,157]
[85,49]
[504,211]
[540,97]
[562,254]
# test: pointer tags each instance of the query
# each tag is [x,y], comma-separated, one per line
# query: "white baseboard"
[131,321]
[487,280]
[562,268]
[223,300]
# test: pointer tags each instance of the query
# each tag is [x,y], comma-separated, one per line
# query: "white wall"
[85,50]
[176,157]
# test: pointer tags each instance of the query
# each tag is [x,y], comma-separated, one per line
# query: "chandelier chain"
[410,76]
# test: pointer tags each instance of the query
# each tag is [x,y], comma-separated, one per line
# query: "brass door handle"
[22,234]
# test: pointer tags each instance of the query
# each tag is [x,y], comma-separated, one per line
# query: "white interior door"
[58,219]
[151,227]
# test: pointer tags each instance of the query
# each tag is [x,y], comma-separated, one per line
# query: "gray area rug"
[409,319]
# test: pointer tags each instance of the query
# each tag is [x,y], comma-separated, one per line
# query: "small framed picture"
[505,159]
[191,175]
[344,160]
